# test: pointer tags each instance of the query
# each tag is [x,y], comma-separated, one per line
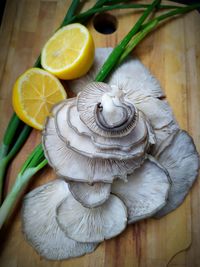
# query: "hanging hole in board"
[105,23]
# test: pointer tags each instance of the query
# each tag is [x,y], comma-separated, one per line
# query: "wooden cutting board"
[172,53]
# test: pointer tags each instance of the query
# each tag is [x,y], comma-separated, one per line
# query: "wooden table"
[172,54]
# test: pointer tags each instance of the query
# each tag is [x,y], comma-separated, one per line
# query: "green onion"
[138,38]
[119,49]
[9,135]
[72,9]
[177,11]
[9,156]
[84,16]
[9,150]
[35,162]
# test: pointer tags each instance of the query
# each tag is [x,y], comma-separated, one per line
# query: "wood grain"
[172,54]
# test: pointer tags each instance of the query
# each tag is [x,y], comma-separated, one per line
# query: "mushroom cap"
[181,159]
[145,192]
[92,225]
[151,134]
[76,167]
[159,114]
[41,228]
[90,196]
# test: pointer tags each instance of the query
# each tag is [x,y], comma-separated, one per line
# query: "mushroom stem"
[112,114]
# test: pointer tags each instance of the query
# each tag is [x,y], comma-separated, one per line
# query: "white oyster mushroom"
[159,115]
[179,156]
[41,228]
[92,225]
[145,192]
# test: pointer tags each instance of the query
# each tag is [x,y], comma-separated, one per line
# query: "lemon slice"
[34,94]
[69,53]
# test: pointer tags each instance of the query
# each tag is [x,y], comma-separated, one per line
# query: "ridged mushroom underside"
[90,196]
[145,192]
[92,224]
[180,157]
[41,228]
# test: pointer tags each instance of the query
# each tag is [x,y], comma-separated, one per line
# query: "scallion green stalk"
[172,13]
[119,49]
[12,152]
[138,38]
[82,17]
[35,162]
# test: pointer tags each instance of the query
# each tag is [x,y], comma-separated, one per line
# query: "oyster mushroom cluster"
[119,156]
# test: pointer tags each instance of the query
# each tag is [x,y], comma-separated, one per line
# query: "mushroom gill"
[41,228]
[180,157]
[92,224]
[146,190]
[90,195]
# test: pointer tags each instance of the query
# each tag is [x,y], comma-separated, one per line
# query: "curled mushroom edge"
[120,157]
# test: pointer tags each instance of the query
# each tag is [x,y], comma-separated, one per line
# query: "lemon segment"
[34,94]
[69,53]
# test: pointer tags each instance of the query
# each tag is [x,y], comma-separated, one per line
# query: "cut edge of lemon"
[17,99]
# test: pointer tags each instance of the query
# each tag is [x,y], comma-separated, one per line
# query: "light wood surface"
[172,54]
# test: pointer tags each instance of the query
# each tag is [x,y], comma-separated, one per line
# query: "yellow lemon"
[34,94]
[69,53]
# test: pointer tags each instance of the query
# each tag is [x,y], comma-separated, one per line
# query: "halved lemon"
[34,94]
[69,53]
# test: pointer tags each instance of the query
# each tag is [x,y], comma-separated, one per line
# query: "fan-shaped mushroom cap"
[179,156]
[160,115]
[157,111]
[145,192]
[92,225]
[75,167]
[41,228]
[90,196]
